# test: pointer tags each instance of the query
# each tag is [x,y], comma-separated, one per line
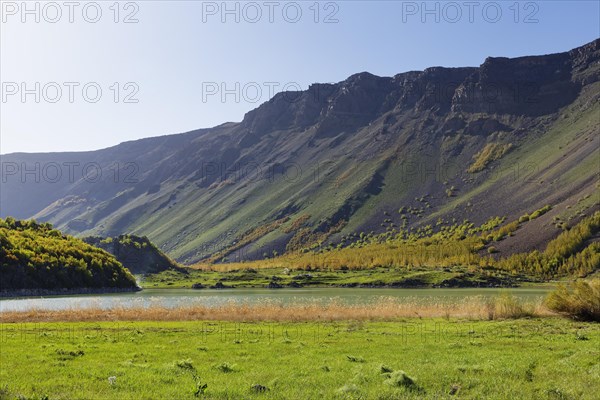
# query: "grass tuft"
[225,367]
[385,369]
[186,364]
[400,379]
[348,389]
[355,359]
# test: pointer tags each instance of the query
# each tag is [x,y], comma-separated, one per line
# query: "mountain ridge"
[343,154]
[584,50]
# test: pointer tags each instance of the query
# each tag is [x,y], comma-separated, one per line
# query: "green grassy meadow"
[371,277]
[548,358]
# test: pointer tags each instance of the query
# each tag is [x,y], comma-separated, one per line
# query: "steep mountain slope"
[502,139]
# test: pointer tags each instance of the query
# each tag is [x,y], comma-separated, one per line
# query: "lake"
[187,297]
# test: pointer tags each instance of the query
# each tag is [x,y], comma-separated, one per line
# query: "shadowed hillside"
[137,254]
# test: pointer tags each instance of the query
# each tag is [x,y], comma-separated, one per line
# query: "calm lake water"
[186,297]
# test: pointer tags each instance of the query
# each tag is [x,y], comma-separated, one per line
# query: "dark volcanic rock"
[220,285]
[520,86]
[259,388]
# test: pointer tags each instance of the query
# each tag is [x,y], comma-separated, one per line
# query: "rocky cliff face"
[337,156]
[530,86]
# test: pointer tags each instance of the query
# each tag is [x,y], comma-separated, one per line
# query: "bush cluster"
[36,256]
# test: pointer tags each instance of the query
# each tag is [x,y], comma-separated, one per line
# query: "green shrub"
[540,212]
[491,152]
[581,301]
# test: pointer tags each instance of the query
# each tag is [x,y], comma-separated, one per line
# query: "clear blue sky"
[178,52]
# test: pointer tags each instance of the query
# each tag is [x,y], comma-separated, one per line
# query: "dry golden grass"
[384,309]
[298,223]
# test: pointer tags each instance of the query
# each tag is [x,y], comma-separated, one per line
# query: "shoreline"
[385,309]
[356,285]
[9,294]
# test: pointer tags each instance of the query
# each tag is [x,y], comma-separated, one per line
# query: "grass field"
[368,277]
[540,358]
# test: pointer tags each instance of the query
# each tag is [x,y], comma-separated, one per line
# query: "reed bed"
[382,309]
